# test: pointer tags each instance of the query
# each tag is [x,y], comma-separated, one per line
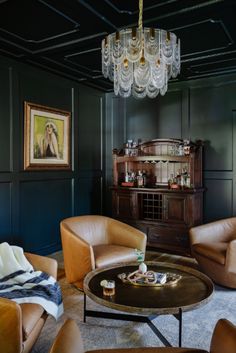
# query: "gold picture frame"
[46,137]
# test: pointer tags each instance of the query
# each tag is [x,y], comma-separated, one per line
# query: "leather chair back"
[94,241]
[224,337]
[214,247]
[69,340]
[92,229]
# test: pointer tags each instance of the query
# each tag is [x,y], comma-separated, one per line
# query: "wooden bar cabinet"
[169,198]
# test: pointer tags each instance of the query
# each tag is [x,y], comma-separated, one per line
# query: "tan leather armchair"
[20,325]
[69,340]
[214,247]
[91,242]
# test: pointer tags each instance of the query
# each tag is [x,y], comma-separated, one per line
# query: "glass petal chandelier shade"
[140,61]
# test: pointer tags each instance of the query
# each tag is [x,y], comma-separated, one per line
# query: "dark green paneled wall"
[151,118]
[201,109]
[32,203]
[6,119]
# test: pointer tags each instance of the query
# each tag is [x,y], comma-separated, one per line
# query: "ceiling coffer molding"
[68,43]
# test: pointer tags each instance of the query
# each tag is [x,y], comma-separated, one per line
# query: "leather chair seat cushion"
[215,251]
[107,254]
[31,313]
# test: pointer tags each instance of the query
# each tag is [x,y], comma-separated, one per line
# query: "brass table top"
[191,291]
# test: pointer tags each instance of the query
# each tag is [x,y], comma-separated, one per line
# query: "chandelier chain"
[140,20]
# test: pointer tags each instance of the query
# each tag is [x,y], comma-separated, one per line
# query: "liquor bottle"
[127,177]
[144,178]
[126,149]
[170,181]
[132,176]
[188,183]
[182,180]
[187,147]
[185,174]
[139,179]
[178,178]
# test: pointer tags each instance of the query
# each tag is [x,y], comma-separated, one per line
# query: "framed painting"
[46,137]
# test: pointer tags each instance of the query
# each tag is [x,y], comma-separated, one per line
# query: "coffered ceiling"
[64,36]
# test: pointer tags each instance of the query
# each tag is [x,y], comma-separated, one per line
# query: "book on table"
[161,277]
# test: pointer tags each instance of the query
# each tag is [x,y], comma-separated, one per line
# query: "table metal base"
[137,318]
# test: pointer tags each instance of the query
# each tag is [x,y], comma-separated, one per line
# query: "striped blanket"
[20,283]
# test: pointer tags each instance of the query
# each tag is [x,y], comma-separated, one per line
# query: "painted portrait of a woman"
[47,139]
[48,143]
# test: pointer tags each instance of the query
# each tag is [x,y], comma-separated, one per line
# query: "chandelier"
[140,61]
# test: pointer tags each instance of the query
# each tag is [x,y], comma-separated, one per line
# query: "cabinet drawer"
[167,235]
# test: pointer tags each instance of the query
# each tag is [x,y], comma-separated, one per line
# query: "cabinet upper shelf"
[154,158]
[159,162]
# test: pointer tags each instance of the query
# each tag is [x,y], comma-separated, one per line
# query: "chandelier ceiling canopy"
[140,61]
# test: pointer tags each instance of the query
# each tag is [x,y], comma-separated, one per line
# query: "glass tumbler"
[109,288]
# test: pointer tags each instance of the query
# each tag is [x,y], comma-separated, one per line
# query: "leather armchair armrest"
[78,255]
[122,234]
[231,257]
[43,263]
[68,339]
[10,327]
[222,230]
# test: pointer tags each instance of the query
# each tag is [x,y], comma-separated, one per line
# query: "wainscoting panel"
[218,199]
[155,118]
[90,132]
[118,123]
[54,92]
[32,203]
[5,212]
[90,195]
[204,110]
[211,121]
[6,120]
[43,204]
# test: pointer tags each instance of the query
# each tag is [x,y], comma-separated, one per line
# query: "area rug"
[97,333]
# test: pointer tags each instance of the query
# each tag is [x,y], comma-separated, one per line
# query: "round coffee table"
[192,290]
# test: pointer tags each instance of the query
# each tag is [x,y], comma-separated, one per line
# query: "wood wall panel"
[201,109]
[90,195]
[5,212]
[43,204]
[47,92]
[155,118]
[118,122]
[91,124]
[90,131]
[5,118]
[52,91]
[38,200]
[211,121]
[115,134]
[218,199]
